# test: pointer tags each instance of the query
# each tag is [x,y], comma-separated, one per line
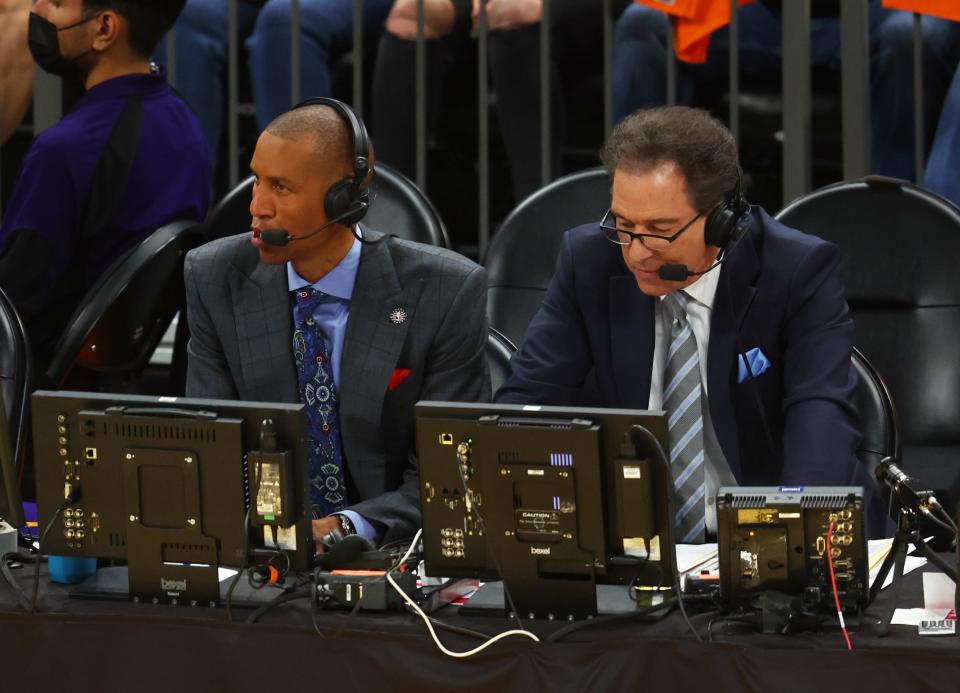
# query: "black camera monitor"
[785,538]
[551,500]
[169,484]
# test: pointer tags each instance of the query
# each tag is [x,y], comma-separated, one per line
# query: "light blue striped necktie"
[683,402]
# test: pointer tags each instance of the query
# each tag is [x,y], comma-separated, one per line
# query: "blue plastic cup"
[70,569]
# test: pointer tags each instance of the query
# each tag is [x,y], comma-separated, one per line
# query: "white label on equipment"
[790,516]
[167,399]
[532,407]
[534,472]
[940,627]
[287,538]
[631,472]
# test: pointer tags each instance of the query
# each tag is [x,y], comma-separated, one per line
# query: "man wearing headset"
[685,298]
[312,307]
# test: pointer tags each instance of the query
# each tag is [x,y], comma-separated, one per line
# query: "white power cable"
[426,620]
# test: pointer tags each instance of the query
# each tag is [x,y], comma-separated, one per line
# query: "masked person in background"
[128,158]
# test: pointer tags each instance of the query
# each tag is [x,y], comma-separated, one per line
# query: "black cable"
[721,619]
[315,602]
[457,629]
[405,542]
[243,567]
[71,498]
[634,581]
[12,580]
[277,601]
[496,561]
[657,449]
[258,578]
[750,376]
[612,619]
[940,523]
[948,519]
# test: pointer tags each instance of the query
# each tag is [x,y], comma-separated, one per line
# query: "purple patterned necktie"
[328,493]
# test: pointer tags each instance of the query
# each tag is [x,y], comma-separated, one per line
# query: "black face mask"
[45,46]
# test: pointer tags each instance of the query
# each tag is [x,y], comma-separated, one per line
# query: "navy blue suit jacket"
[779,290]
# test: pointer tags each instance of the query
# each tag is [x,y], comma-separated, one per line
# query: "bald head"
[326,131]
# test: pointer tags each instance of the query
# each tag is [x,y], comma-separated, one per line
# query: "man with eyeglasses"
[687,299]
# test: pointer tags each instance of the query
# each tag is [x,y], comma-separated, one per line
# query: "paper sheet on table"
[225,573]
[878,549]
[912,617]
[692,558]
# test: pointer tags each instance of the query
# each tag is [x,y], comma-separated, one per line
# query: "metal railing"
[796,99]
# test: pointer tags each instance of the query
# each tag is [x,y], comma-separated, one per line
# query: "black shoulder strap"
[110,178]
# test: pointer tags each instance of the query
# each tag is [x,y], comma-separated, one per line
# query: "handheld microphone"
[910,491]
[281,237]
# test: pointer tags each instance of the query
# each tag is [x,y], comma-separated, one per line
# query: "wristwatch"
[346,526]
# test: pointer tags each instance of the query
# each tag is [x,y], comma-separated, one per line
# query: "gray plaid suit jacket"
[241,327]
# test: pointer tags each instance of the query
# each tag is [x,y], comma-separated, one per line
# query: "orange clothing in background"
[948,9]
[693,22]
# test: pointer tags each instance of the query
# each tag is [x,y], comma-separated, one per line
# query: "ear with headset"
[346,201]
[723,223]
[724,228]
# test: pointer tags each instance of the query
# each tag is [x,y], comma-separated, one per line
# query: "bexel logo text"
[173,585]
[536,551]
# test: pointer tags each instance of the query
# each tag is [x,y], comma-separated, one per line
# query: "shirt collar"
[136,84]
[338,282]
[704,290]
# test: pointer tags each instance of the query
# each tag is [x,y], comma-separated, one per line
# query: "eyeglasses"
[652,241]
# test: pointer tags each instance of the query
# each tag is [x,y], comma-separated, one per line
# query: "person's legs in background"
[639,60]
[326,31]
[943,168]
[393,97]
[891,84]
[515,71]
[640,54]
[202,52]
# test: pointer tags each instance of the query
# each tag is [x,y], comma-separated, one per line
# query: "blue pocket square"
[758,363]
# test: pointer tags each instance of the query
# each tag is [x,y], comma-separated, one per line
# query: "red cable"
[833,582]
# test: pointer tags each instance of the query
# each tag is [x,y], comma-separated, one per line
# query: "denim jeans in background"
[639,68]
[943,168]
[202,45]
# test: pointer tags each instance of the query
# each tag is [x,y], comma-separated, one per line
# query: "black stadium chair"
[900,245]
[523,253]
[397,207]
[16,383]
[879,420]
[499,351]
[123,316]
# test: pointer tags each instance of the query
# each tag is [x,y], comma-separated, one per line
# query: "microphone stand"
[908,532]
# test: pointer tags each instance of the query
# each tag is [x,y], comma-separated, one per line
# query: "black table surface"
[80,645]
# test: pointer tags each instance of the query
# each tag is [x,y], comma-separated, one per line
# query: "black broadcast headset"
[723,223]
[347,200]
[723,229]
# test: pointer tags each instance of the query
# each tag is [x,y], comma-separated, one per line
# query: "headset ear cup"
[341,200]
[719,225]
[337,201]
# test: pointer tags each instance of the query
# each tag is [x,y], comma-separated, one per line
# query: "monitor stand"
[112,584]
[489,601]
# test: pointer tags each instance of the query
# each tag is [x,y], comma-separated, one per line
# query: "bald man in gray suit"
[399,321]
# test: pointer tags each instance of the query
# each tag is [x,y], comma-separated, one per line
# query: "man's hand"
[322,527]
[509,14]
[438,17]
